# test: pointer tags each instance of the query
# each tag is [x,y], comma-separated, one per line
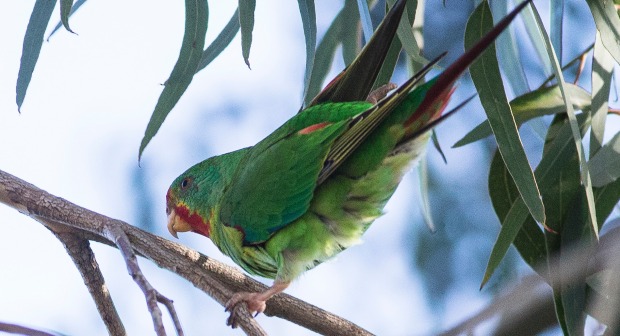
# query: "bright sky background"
[78,134]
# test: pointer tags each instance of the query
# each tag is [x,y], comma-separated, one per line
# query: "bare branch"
[216,279]
[83,257]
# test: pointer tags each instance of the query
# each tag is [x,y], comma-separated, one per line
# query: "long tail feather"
[435,122]
[447,78]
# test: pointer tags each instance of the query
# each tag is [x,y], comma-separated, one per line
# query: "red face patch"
[198,224]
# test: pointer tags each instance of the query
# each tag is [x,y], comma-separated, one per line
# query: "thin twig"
[118,236]
[568,65]
[582,64]
[21,330]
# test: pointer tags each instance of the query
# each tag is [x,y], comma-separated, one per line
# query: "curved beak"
[176,224]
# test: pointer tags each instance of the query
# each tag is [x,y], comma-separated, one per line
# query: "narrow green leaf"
[406,36]
[544,101]
[349,38]
[556,11]
[488,81]
[74,9]
[389,64]
[585,175]
[561,185]
[415,10]
[576,233]
[437,145]
[33,40]
[324,56]
[246,20]
[308,20]
[602,67]
[511,226]
[364,12]
[560,197]
[530,240]
[607,22]
[196,20]
[221,41]
[606,198]
[605,165]
[508,52]
[425,204]
[65,11]
[558,155]
[539,45]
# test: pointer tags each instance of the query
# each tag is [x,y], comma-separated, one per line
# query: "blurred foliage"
[564,201]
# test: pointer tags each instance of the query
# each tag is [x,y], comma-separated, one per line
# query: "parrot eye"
[185,183]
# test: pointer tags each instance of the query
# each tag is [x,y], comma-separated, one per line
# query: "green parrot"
[311,188]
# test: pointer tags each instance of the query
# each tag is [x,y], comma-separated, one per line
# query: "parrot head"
[187,199]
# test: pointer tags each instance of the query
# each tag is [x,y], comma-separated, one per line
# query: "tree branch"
[216,279]
[83,257]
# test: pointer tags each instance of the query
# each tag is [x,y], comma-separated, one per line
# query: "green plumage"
[264,206]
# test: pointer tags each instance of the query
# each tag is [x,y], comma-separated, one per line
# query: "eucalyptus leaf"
[246,20]
[74,9]
[308,21]
[544,101]
[605,165]
[530,240]
[196,21]
[537,42]
[349,38]
[33,40]
[585,175]
[556,11]
[576,233]
[324,56]
[607,22]
[406,36]
[221,41]
[562,200]
[558,156]
[364,13]
[602,68]
[425,203]
[488,81]
[65,11]
[508,52]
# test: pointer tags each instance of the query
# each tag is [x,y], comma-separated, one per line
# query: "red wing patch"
[313,128]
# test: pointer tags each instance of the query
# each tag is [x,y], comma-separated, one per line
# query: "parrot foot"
[380,93]
[256,302]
